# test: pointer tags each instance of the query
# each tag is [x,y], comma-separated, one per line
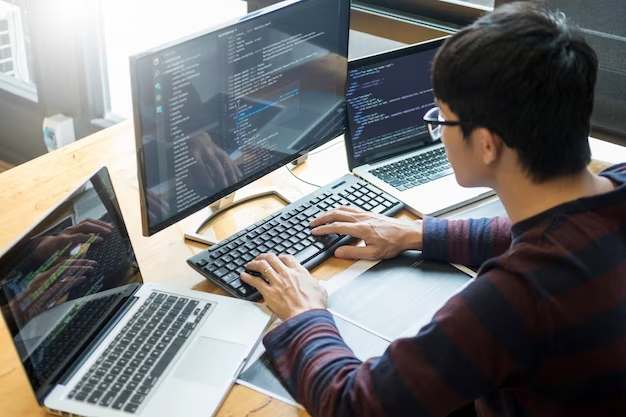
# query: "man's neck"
[523,199]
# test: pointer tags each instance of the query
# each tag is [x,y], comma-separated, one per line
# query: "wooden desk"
[29,190]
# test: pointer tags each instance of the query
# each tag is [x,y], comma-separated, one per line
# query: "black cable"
[298,178]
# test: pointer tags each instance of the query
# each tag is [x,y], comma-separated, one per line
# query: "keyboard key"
[440,174]
[143,390]
[282,231]
[167,357]
[137,399]
[228,278]
[108,398]
[306,254]
[81,396]
[221,272]
[95,397]
[131,407]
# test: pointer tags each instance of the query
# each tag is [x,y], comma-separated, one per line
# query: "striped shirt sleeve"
[473,344]
[468,242]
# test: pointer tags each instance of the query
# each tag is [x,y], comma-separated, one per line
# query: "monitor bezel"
[380,58]
[147,230]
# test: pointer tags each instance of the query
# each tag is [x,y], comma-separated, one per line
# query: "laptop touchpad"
[210,362]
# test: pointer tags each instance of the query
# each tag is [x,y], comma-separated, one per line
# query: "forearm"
[312,360]
[467,242]
[322,373]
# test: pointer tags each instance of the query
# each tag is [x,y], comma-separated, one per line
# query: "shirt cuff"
[283,334]
[435,238]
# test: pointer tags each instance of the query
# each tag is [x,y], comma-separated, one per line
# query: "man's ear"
[489,145]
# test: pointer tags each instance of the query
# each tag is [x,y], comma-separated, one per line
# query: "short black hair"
[526,74]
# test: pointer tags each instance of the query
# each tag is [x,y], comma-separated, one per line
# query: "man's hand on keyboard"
[287,287]
[384,237]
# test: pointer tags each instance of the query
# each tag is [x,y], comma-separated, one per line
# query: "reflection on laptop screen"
[386,102]
[62,281]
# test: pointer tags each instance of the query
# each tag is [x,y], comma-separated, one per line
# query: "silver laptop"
[95,340]
[387,142]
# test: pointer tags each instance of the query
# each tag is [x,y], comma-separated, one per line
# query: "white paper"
[260,376]
[397,296]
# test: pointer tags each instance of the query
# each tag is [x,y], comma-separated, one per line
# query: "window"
[15,58]
[473,3]
[450,13]
[133,26]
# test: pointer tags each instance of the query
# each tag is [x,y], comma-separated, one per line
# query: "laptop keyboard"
[78,324]
[126,372]
[287,232]
[414,171]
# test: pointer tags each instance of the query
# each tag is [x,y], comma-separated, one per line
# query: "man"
[542,329]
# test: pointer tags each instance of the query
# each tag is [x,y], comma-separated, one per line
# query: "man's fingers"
[274,262]
[356,252]
[338,227]
[340,214]
[351,209]
[289,260]
[256,282]
[262,267]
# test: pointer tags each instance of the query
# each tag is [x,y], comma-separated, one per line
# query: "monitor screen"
[387,97]
[218,110]
[64,279]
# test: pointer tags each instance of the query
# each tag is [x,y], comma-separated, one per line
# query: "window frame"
[448,13]
[12,85]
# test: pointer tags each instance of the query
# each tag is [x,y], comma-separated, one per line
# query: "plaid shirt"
[540,332]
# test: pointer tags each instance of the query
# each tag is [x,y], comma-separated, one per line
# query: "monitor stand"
[193,233]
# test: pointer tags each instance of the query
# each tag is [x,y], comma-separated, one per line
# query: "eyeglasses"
[434,120]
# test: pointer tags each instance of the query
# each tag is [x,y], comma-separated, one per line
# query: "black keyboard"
[287,232]
[414,171]
[126,372]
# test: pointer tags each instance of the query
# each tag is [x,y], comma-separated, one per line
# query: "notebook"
[95,340]
[387,143]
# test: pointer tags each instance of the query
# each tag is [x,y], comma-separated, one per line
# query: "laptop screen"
[387,96]
[64,279]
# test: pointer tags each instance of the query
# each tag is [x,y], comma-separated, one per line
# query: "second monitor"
[218,110]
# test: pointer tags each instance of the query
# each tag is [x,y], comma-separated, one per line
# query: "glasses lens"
[431,117]
[435,130]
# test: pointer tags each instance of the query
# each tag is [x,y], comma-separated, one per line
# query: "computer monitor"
[220,109]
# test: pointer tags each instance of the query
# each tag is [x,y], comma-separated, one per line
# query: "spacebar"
[310,251]
[167,357]
[440,174]
[306,254]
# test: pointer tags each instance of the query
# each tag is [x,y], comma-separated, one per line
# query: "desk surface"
[29,190]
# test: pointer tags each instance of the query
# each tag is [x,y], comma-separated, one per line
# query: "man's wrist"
[297,311]
[414,237]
